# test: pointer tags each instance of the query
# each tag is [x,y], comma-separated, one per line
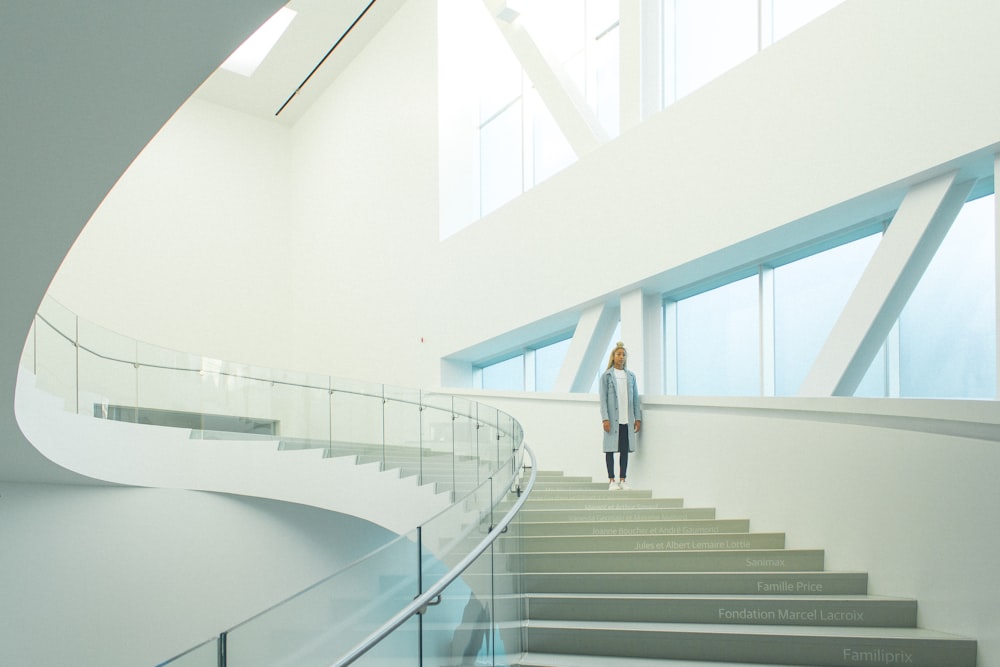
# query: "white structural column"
[642,327]
[564,101]
[909,244]
[640,30]
[586,349]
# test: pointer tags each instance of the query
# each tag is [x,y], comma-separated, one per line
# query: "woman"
[622,415]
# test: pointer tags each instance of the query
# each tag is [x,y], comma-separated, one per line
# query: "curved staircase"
[622,578]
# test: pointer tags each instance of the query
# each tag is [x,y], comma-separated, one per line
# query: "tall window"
[535,369]
[706,38]
[703,39]
[507,375]
[718,341]
[809,295]
[947,330]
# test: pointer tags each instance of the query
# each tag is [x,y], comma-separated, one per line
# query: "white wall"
[108,576]
[904,489]
[338,268]
[189,245]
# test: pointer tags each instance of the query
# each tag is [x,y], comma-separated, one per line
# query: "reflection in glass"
[718,341]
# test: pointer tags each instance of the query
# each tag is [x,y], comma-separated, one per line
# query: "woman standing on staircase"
[622,415]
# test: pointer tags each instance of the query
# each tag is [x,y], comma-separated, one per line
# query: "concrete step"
[565,660]
[548,493]
[635,528]
[763,560]
[606,501]
[846,611]
[703,583]
[615,515]
[639,543]
[796,645]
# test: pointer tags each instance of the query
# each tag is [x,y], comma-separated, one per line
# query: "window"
[507,375]
[709,37]
[947,330]
[718,341]
[548,361]
[809,295]
[536,369]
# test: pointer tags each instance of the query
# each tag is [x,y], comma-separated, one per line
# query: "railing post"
[420,590]
[222,649]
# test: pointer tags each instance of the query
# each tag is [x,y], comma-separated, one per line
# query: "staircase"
[622,578]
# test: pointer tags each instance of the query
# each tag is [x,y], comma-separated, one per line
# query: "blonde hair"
[611,360]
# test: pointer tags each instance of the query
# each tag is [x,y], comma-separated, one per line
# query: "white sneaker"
[623,486]
[613,486]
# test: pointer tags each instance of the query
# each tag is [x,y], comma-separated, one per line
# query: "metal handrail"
[420,604]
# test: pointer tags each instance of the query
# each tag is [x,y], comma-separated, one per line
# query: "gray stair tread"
[718,629]
[566,660]
[690,596]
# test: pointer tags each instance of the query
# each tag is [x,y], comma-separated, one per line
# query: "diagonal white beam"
[909,244]
[564,101]
[586,349]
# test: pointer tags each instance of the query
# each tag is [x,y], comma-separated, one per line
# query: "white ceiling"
[316,29]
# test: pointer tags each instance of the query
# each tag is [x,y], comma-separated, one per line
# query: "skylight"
[247,58]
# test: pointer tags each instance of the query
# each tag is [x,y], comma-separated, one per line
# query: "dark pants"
[609,457]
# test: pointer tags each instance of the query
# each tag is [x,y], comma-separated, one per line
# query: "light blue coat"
[608,390]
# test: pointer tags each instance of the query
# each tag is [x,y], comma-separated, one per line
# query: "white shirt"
[621,384]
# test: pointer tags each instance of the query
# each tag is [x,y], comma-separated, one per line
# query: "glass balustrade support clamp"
[430,603]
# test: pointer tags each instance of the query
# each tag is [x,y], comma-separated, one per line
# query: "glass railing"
[450,441]
[469,550]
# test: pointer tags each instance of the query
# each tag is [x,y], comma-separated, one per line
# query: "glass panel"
[204,655]
[488,436]
[875,382]
[790,15]
[711,37]
[500,158]
[509,605]
[438,441]
[948,327]
[470,471]
[603,92]
[55,352]
[458,631]
[808,297]
[550,152]
[326,621]
[616,337]
[107,373]
[557,26]
[506,375]
[548,362]
[500,72]
[357,420]
[299,404]
[27,362]
[402,432]
[718,341]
